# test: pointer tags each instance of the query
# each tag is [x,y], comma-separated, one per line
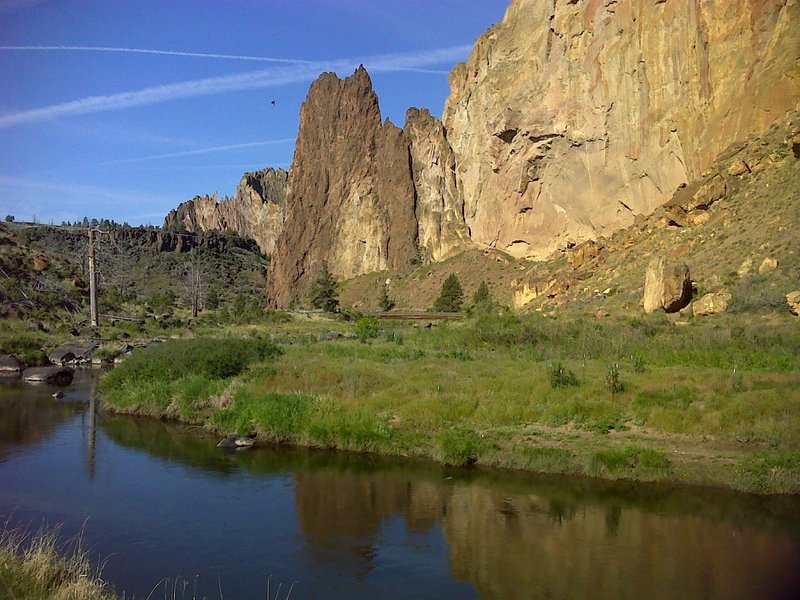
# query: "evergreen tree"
[482,300]
[323,291]
[387,303]
[212,298]
[451,296]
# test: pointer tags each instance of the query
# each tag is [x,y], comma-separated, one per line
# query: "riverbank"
[709,403]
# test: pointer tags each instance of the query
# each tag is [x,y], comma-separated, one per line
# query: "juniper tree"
[323,291]
[482,300]
[451,296]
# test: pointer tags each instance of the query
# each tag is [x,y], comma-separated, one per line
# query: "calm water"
[158,501]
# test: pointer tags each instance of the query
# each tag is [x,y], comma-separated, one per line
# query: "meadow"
[710,402]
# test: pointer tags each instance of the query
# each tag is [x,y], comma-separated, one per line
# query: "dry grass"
[40,567]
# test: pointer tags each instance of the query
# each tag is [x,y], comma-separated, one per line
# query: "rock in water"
[668,286]
[10,364]
[236,442]
[54,375]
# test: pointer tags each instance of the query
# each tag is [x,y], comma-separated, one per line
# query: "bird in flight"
[273,103]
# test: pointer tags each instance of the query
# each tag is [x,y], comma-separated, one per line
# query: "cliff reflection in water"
[509,534]
[508,545]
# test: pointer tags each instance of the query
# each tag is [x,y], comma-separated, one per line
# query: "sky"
[122,109]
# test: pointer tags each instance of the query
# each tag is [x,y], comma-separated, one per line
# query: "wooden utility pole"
[92,282]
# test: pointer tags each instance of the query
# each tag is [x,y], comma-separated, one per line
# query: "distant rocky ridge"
[255,211]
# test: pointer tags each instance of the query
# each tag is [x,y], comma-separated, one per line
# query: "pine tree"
[323,291]
[451,296]
[482,300]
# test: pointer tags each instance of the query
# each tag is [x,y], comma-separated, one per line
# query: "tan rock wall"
[570,118]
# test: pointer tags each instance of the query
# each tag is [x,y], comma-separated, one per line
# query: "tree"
[482,300]
[323,291]
[386,302]
[451,296]
[9,218]
[212,298]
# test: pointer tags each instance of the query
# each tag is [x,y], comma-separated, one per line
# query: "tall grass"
[38,567]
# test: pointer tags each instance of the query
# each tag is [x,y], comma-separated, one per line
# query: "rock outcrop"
[572,117]
[255,211]
[351,191]
[667,286]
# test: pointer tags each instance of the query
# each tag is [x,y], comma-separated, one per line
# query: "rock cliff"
[569,119]
[572,117]
[255,211]
[351,191]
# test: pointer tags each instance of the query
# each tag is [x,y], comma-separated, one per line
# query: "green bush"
[560,376]
[214,358]
[367,328]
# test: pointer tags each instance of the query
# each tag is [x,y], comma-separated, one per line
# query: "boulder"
[71,353]
[10,364]
[793,300]
[767,265]
[668,286]
[53,374]
[236,442]
[709,304]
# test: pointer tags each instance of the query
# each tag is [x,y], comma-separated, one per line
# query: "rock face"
[255,211]
[572,117]
[439,205]
[351,191]
[667,286]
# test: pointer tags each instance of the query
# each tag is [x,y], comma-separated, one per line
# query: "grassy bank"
[37,566]
[711,402]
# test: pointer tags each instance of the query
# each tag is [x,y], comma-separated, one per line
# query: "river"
[159,502]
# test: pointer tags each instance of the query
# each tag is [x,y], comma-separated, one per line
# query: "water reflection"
[368,525]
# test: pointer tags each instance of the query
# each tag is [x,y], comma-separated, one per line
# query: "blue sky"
[127,135]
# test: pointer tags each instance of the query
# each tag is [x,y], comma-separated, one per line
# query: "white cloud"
[415,61]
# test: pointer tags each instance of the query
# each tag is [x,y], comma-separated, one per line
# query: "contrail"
[191,152]
[159,52]
[416,61]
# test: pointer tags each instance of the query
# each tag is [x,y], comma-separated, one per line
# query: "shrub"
[613,380]
[560,376]
[214,358]
[367,328]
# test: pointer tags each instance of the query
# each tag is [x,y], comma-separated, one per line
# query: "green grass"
[471,392]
